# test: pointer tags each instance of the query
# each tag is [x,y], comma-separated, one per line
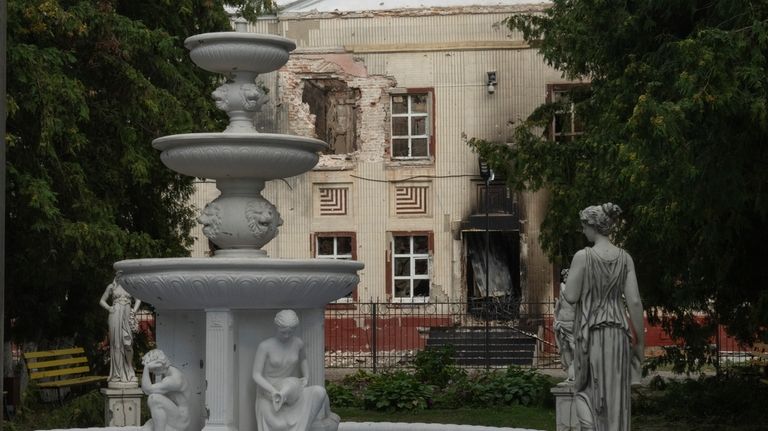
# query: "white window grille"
[410,268]
[335,247]
[411,126]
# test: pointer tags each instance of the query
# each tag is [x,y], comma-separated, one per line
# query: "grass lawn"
[537,418]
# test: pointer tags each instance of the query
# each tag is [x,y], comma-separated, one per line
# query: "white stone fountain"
[212,313]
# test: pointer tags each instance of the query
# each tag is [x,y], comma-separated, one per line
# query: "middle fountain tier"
[212,313]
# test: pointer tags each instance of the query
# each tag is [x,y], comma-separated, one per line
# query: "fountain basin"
[238,283]
[265,156]
[228,52]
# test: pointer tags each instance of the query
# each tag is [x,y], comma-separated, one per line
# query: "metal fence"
[483,333]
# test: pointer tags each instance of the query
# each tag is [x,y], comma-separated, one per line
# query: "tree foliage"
[90,85]
[676,133]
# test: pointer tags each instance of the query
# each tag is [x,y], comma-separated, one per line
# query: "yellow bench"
[57,369]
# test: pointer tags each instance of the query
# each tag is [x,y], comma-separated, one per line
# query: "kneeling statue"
[284,402]
[168,395]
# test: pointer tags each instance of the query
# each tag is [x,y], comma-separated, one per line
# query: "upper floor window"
[410,268]
[566,124]
[411,125]
[336,246]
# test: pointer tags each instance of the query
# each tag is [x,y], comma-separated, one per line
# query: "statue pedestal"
[565,409]
[122,407]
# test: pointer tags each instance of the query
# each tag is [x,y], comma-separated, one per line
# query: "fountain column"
[220,367]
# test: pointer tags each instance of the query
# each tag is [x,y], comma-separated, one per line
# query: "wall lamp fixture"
[491,82]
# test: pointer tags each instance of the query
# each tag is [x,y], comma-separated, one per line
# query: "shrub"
[341,396]
[513,386]
[738,397]
[436,366]
[396,391]
[85,411]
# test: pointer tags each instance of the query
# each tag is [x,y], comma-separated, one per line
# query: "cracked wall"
[332,97]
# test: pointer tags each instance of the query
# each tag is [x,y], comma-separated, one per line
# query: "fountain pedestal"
[212,313]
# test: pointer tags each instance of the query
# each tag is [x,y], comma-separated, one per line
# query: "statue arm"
[170,382]
[104,296]
[573,283]
[258,370]
[635,307]
[136,305]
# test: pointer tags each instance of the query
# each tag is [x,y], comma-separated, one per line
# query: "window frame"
[429,257]
[573,134]
[429,128]
[352,298]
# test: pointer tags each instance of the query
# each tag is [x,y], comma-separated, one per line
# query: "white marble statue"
[168,393]
[122,326]
[603,286]
[564,315]
[284,402]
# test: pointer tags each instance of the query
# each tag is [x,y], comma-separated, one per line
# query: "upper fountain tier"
[263,156]
[235,52]
[239,152]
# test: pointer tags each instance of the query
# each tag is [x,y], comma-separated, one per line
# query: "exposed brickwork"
[372,107]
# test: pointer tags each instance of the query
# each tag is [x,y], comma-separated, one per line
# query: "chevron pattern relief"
[333,201]
[411,200]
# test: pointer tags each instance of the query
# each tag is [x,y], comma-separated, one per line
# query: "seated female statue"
[284,402]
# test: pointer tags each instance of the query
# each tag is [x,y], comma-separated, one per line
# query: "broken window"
[411,126]
[334,105]
[504,263]
[566,124]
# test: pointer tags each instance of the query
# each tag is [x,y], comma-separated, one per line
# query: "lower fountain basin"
[238,283]
[265,156]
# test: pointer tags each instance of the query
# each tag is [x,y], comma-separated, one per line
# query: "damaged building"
[395,87]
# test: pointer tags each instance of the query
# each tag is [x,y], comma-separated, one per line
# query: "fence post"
[374,347]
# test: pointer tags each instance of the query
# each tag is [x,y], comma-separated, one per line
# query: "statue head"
[599,219]
[210,218]
[253,97]
[286,322]
[263,220]
[158,356]
[220,97]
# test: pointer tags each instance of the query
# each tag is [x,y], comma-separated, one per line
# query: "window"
[410,268]
[566,125]
[336,246]
[411,126]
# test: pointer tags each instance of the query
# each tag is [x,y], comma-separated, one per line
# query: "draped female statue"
[122,325]
[284,402]
[608,325]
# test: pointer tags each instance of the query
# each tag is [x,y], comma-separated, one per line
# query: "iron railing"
[483,333]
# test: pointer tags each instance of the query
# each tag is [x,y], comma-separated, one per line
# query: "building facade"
[396,90]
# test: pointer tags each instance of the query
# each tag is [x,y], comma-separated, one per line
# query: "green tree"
[90,85]
[676,133]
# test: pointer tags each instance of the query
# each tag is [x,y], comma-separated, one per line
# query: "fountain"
[212,313]
[215,315]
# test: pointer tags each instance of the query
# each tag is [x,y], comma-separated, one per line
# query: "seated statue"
[284,402]
[168,396]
